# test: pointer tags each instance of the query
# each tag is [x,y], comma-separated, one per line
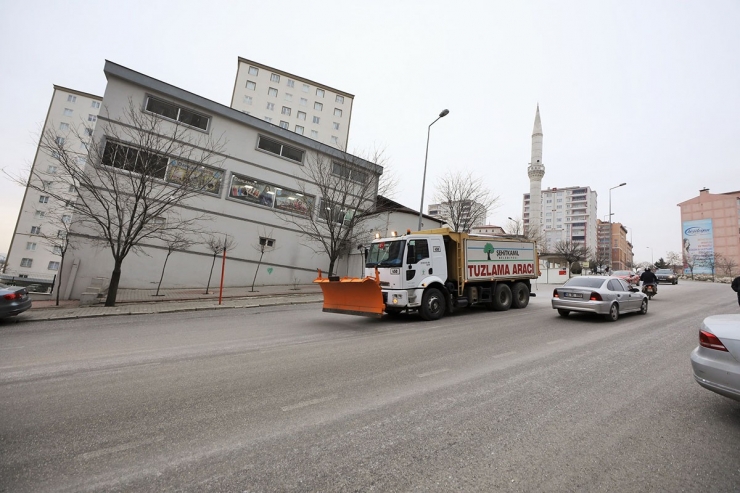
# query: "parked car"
[716,360]
[666,275]
[608,296]
[13,300]
[628,276]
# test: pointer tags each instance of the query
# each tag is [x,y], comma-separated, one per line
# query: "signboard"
[492,259]
[698,246]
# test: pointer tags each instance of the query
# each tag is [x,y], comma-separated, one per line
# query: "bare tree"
[57,239]
[600,259]
[347,188]
[728,265]
[515,227]
[709,260]
[570,252]
[674,260]
[177,240]
[130,184]
[217,243]
[464,200]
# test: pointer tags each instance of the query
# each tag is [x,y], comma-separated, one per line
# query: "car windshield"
[620,273]
[386,254]
[664,271]
[584,282]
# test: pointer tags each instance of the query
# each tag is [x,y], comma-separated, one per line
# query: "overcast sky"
[643,92]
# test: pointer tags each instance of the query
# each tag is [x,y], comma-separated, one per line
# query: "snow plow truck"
[434,273]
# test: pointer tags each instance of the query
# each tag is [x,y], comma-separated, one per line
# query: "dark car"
[666,275]
[13,300]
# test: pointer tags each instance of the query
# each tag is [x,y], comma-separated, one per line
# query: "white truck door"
[418,262]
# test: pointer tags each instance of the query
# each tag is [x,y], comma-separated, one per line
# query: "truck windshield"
[386,254]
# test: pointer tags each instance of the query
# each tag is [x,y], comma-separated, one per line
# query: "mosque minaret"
[536,171]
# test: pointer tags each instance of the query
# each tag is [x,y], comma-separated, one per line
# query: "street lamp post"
[424,179]
[652,259]
[611,242]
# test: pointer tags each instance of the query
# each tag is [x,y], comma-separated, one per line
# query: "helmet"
[647,269]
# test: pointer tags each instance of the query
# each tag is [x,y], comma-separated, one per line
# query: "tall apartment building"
[566,214]
[469,212]
[622,255]
[710,226]
[34,249]
[294,103]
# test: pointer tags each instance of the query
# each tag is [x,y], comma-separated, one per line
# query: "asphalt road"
[292,399]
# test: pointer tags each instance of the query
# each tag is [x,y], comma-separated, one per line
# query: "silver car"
[608,296]
[716,360]
[13,300]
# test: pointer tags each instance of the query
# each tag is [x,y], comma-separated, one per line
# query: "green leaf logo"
[269,270]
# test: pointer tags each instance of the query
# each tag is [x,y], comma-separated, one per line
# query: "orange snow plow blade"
[352,296]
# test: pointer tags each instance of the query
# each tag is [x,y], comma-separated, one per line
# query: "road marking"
[556,341]
[430,373]
[503,354]
[308,403]
[118,448]
[12,347]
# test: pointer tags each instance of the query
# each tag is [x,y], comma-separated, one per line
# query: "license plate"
[573,295]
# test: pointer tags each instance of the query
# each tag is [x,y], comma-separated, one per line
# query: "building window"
[59,141]
[66,218]
[31,246]
[26,262]
[71,99]
[88,132]
[336,125]
[53,265]
[248,100]
[347,172]
[339,99]
[284,124]
[299,129]
[64,126]
[178,113]
[280,149]
[272,92]
[335,212]
[51,169]
[288,96]
[304,102]
[271,106]
[334,139]
[267,242]
[318,106]
[314,134]
[290,83]
[320,93]
[268,119]
[57,250]
[286,111]
[274,78]
[304,88]
[39,214]
[68,112]
[316,119]
[337,112]
[302,115]
[35,230]
[95,104]
[92,118]
[44,199]
[251,85]
[269,195]
[61,233]
[71,189]
[47,184]
[253,70]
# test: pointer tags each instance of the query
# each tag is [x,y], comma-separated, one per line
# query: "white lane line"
[12,347]
[502,355]
[430,373]
[556,341]
[308,403]
[118,448]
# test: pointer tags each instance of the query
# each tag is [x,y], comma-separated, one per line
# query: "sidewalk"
[144,301]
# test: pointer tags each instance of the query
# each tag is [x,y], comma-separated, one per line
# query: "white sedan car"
[716,360]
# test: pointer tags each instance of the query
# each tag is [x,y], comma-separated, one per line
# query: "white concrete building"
[294,103]
[487,229]
[567,214]
[34,253]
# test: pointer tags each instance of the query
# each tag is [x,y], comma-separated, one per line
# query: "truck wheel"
[432,304]
[501,298]
[520,295]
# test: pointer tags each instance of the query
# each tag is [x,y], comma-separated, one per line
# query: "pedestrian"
[736,287]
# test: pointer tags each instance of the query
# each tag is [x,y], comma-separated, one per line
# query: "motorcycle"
[650,289]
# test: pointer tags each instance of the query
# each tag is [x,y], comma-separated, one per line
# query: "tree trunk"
[115,278]
[257,269]
[211,274]
[169,252]
[332,263]
[59,284]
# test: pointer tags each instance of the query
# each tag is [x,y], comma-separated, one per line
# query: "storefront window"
[269,195]
[198,177]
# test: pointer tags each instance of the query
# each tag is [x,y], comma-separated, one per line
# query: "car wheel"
[519,295]
[432,305]
[675,282]
[644,307]
[563,313]
[613,314]
[501,298]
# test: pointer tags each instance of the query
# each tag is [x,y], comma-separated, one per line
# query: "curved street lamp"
[444,113]
[611,244]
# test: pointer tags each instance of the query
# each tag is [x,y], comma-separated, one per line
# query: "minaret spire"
[536,171]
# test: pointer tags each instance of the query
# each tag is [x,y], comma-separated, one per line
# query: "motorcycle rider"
[648,277]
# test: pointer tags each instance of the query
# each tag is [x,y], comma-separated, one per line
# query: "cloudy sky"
[644,92]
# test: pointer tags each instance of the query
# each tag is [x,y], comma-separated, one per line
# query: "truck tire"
[519,295]
[432,304]
[501,298]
